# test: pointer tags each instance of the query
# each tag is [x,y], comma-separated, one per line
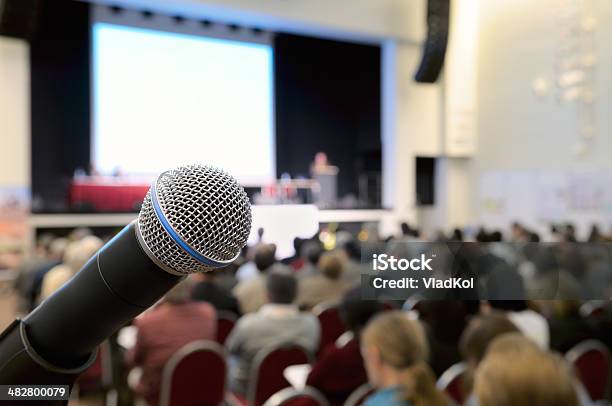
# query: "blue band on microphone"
[174,235]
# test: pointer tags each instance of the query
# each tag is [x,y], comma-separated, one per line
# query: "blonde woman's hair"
[516,372]
[402,345]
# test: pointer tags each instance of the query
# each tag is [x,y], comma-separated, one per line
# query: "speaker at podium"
[325,176]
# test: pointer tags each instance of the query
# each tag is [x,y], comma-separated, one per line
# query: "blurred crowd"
[512,350]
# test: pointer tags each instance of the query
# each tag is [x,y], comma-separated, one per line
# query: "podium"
[325,193]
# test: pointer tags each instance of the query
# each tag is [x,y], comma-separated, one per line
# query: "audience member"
[457,235]
[480,332]
[325,286]
[251,293]
[514,373]
[474,343]
[530,322]
[353,267]
[206,289]
[395,352]
[444,321]
[329,373]
[277,322]
[295,261]
[567,326]
[76,255]
[311,253]
[31,264]
[33,279]
[247,270]
[162,331]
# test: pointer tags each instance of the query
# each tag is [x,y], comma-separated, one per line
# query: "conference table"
[108,195]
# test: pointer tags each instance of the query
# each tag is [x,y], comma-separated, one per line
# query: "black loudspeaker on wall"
[19,18]
[434,48]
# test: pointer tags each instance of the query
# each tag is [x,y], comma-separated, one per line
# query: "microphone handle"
[116,285]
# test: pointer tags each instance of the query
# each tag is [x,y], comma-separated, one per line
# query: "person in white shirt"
[277,322]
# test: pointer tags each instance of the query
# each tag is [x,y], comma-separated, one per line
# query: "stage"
[282,223]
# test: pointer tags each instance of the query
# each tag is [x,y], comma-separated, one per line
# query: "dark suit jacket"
[220,298]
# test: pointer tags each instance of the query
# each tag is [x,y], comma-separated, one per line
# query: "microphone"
[193,219]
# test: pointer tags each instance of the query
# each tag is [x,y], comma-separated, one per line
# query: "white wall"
[519,42]
[14,113]
[521,129]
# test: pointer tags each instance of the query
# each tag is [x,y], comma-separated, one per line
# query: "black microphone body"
[193,219]
[116,285]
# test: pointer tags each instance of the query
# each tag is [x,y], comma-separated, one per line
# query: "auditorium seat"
[344,339]
[292,397]
[225,324]
[195,376]
[593,308]
[451,382]
[266,375]
[331,324]
[359,395]
[591,361]
[99,376]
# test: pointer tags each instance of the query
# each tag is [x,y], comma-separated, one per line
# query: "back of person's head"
[78,252]
[281,286]
[480,332]
[395,341]
[311,251]
[545,260]
[496,236]
[508,305]
[79,233]
[352,250]
[356,312]
[457,235]
[331,265]
[515,372]
[511,343]
[181,293]
[265,256]
[297,245]
[57,248]
[43,243]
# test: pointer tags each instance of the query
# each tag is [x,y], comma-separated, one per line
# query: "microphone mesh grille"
[206,207]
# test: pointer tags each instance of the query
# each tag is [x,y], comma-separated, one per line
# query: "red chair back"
[195,376]
[99,375]
[267,371]
[359,395]
[293,397]
[451,382]
[331,325]
[593,309]
[225,324]
[591,360]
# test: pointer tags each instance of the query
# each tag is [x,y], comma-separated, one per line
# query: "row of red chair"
[196,375]
[328,315]
[590,359]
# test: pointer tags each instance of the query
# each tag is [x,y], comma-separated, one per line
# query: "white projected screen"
[163,99]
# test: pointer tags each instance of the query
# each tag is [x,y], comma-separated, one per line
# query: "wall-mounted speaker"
[425,181]
[434,49]
[19,18]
